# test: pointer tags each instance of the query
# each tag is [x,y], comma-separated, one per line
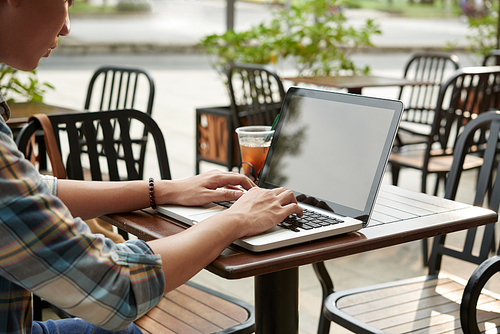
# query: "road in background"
[180,24]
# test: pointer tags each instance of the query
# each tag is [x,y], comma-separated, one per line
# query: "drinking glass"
[254,144]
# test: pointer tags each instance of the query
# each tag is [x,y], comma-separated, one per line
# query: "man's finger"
[285,194]
[225,194]
[294,208]
[279,191]
[236,179]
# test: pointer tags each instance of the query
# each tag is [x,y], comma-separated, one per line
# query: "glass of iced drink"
[254,144]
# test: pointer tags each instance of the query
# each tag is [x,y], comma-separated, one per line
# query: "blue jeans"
[77,326]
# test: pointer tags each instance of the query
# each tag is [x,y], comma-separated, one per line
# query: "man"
[47,249]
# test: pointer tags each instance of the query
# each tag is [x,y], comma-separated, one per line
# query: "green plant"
[121,7]
[313,34]
[16,85]
[484,34]
[406,8]
[133,6]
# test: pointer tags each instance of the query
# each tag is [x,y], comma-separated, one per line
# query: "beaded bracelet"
[152,193]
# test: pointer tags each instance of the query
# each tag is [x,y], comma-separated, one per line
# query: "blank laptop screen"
[333,147]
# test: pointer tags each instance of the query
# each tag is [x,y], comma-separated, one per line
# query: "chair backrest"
[420,100]
[113,88]
[95,130]
[122,88]
[492,59]
[256,95]
[467,93]
[479,135]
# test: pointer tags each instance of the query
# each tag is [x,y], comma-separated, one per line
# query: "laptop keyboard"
[310,220]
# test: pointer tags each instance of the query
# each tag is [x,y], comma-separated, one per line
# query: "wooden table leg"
[277,302]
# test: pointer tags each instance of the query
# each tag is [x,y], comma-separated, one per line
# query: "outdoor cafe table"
[415,216]
[20,112]
[354,83]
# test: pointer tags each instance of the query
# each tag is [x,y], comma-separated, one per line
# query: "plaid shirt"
[44,250]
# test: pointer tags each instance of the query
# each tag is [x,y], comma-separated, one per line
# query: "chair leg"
[395,174]
[123,233]
[436,186]
[423,186]
[493,246]
[425,252]
[327,289]
[440,178]
[38,306]
[324,323]
[397,143]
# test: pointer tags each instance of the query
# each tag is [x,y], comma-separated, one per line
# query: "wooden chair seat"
[195,309]
[411,134]
[431,304]
[437,163]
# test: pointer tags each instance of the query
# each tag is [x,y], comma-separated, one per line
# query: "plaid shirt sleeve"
[45,250]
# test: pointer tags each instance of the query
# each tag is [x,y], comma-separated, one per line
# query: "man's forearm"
[93,199]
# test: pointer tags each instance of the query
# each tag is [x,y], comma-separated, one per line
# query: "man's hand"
[203,189]
[259,210]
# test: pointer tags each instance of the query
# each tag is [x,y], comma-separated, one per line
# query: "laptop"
[330,149]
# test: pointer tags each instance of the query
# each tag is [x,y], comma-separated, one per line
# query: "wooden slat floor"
[190,310]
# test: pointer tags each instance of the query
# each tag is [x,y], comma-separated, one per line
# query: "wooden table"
[354,83]
[20,112]
[399,216]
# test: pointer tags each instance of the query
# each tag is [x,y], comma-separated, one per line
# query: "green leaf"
[21,86]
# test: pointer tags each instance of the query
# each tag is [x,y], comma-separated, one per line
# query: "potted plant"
[21,86]
[314,35]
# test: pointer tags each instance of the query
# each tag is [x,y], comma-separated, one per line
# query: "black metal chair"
[96,128]
[256,95]
[227,315]
[421,100]
[426,304]
[466,94]
[472,293]
[113,88]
